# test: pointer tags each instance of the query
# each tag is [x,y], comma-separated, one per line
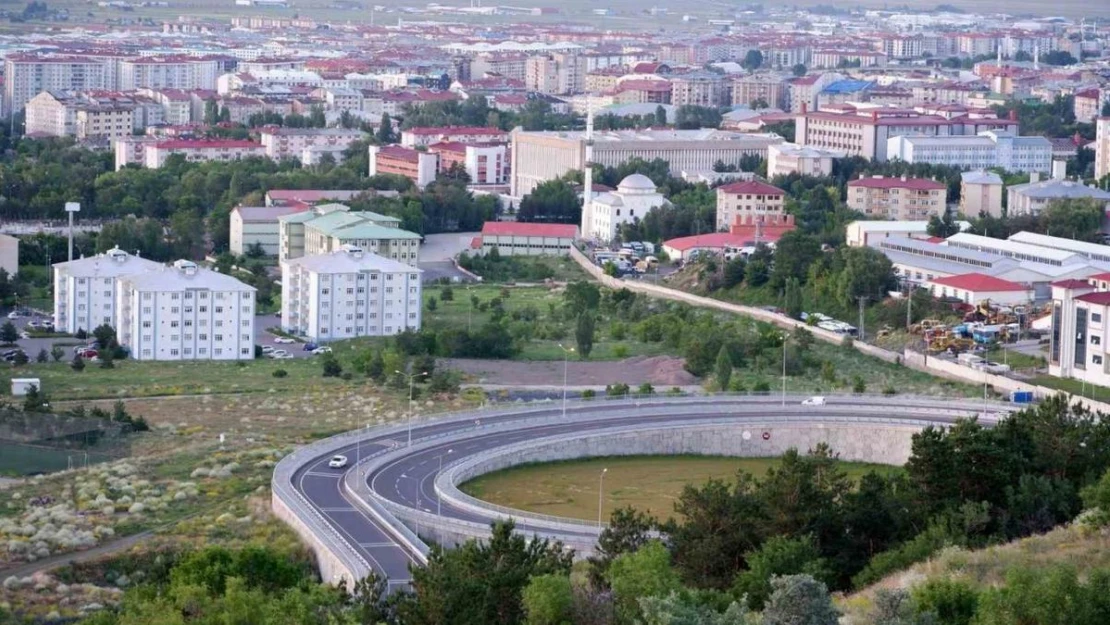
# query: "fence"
[33,442]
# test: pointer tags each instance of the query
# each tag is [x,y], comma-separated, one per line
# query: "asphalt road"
[408,480]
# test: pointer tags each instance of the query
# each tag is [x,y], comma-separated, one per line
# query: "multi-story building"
[832,59]
[1102,147]
[540,156]
[697,89]
[50,114]
[85,289]
[1079,338]
[86,115]
[171,72]
[9,254]
[1033,197]
[986,150]
[185,312]
[155,154]
[103,120]
[328,227]
[291,143]
[1089,103]
[258,225]
[866,132]
[420,167]
[176,104]
[789,158]
[556,73]
[484,164]
[803,93]
[643,91]
[634,198]
[980,192]
[27,75]
[416,137]
[770,88]
[746,199]
[348,293]
[901,199]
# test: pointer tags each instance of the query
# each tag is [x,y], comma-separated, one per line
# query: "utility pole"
[862,331]
[71,208]
[909,306]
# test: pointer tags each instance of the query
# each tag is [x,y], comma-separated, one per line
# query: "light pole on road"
[566,356]
[600,491]
[439,500]
[411,377]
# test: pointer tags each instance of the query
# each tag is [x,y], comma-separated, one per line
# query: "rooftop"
[881,182]
[1052,189]
[978,282]
[186,275]
[981,177]
[350,260]
[522,229]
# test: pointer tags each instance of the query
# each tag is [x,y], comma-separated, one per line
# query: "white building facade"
[85,289]
[634,198]
[349,293]
[983,151]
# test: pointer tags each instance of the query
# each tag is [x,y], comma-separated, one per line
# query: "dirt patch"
[656,370]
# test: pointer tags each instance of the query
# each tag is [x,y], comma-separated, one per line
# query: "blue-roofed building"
[846,90]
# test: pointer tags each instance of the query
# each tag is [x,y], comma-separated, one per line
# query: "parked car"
[814,401]
[88,354]
[267,350]
[15,314]
[337,462]
[283,357]
[310,346]
[284,340]
[278,352]
[322,350]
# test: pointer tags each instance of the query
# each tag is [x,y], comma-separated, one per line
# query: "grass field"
[648,483]
[1074,387]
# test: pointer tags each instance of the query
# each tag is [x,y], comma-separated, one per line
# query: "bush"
[761,387]
[858,385]
[331,366]
[617,390]
[432,304]
[589,394]
[280,373]
[620,351]
[447,294]
[78,363]
[645,389]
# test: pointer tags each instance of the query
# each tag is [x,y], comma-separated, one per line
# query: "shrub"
[331,366]
[761,387]
[432,304]
[620,351]
[447,294]
[617,390]
[645,389]
[280,373]
[589,394]
[78,363]
[858,385]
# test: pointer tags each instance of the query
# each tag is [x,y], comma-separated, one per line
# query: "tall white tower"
[1102,147]
[588,171]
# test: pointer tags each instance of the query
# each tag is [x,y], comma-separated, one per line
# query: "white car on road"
[284,340]
[814,401]
[337,462]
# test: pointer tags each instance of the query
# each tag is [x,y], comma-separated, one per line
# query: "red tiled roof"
[979,282]
[399,153]
[1101,298]
[1072,284]
[457,130]
[1100,276]
[751,187]
[740,237]
[917,184]
[522,229]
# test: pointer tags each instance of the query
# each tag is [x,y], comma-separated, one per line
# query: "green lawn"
[1016,360]
[648,483]
[1074,387]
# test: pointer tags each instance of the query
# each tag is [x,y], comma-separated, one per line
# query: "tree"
[685,609]
[553,201]
[56,352]
[645,573]
[752,60]
[660,116]
[759,104]
[723,368]
[78,363]
[795,251]
[42,356]
[330,365]
[799,600]
[8,333]
[732,273]
[385,130]
[35,400]
[581,296]
[951,601]
[1097,497]
[584,334]
[548,600]
[106,358]
[780,555]
[1059,57]
[628,530]
[866,273]
[792,298]
[1079,218]
[942,227]
[105,336]
[800,70]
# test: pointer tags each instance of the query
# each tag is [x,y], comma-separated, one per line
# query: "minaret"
[1036,56]
[999,61]
[588,173]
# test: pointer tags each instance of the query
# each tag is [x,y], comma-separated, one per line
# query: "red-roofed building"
[414,137]
[973,288]
[643,91]
[515,238]
[901,199]
[745,234]
[1078,330]
[420,167]
[484,164]
[746,199]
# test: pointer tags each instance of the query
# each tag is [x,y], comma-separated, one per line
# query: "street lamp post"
[784,370]
[439,500]
[411,377]
[600,491]
[566,356]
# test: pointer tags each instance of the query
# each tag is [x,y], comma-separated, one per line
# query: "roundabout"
[402,483]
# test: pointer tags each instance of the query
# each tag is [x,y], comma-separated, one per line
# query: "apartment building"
[901,199]
[155,154]
[866,132]
[803,93]
[698,89]
[1078,337]
[769,88]
[1088,104]
[416,137]
[27,75]
[328,227]
[259,225]
[185,312]
[168,72]
[788,158]
[50,114]
[484,164]
[291,143]
[540,156]
[555,74]
[103,120]
[746,199]
[176,104]
[420,167]
[348,293]
[980,192]
[1033,197]
[85,289]
[9,254]
[993,148]
[1102,147]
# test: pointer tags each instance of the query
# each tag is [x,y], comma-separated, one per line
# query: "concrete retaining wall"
[332,570]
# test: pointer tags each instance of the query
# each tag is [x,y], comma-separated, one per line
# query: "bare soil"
[656,370]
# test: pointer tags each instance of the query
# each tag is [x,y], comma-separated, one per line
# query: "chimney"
[1013,115]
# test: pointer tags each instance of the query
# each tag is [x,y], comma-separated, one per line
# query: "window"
[173,324]
[1096,359]
[173,352]
[219,309]
[188,323]
[1095,340]
[146,324]
[202,337]
[1096,318]
[175,296]
[203,309]
[173,310]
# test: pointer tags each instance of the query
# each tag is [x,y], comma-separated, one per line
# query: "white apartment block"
[747,200]
[183,72]
[258,225]
[292,143]
[27,75]
[49,114]
[108,120]
[155,154]
[416,137]
[1079,330]
[85,289]
[788,158]
[184,312]
[900,199]
[349,293]
[1102,147]
[1033,197]
[983,151]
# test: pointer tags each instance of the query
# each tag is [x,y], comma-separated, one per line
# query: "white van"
[814,401]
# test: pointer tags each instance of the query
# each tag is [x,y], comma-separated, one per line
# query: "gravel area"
[657,370]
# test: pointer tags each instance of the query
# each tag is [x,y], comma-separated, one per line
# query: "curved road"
[407,479]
